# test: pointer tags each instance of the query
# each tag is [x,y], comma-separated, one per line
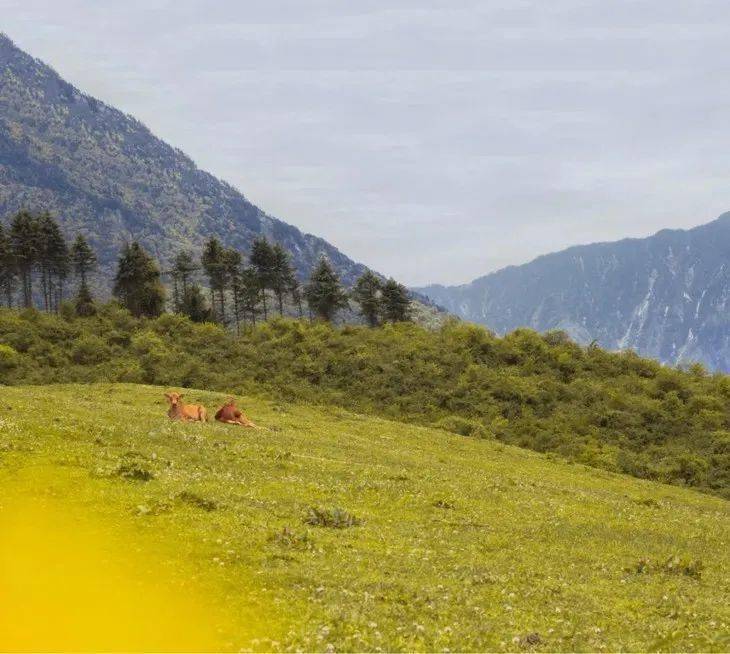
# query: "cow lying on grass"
[185,412]
[229,414]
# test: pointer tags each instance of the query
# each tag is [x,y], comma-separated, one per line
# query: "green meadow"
[327,530]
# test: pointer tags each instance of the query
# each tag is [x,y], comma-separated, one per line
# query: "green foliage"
[84,302]
[396,303]
[324,293]
[90,350]
[216,263]
[24,243]
[262,260]
[137,282]
[612,411]
[8,269]
[367,293]
[83,258]
[462,426]
[282,274]
[193,304]
[8,357]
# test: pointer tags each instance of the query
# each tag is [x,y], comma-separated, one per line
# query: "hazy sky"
[433,141]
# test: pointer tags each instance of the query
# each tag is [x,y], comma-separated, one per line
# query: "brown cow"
[185,412]
[229,414]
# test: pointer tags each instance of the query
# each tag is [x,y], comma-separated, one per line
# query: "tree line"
[36,261]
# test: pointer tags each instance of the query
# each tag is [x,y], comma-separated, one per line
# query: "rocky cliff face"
[106,175]
[665,296]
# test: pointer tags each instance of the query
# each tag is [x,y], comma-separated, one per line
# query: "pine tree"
[396,302]
[83,258]
[24,244]
[8,272]
[295,290]
[214,264]
[282,274]
[137,282]
[182,272]
[250,293]
[193,304]
[262,259]
[83,261]
[324,294]
[84,302]
[367,293]
[232,260]
[53,261]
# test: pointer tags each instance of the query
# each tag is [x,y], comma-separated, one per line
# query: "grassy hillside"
[613,411]
[421,539]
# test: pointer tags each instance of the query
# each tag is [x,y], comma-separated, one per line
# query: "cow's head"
[173,398]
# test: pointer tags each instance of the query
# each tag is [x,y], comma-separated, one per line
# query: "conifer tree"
[193,304]
[324,293]
[83,258]
[295,290]
[396,302]
[84,302]
[8,273]
[367,293]
[232,260]
[182,272]
[53,261]
[214,264]
[137,282]
[262,259]
[250,293]
[282,274]
[83,261]
[24,244]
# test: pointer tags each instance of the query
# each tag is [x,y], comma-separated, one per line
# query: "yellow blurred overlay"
[71,580]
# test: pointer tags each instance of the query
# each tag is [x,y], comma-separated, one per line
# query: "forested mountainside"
[105,175]
[666,296]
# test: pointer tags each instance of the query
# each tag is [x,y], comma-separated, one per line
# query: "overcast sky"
[433,141]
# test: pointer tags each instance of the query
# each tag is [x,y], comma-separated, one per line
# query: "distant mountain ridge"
[665,296]
[104,174]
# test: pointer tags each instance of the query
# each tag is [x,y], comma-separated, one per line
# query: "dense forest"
[614,411]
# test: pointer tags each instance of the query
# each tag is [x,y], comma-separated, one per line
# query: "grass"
[327,530]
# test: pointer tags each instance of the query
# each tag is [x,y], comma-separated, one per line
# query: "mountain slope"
[666,296]
[458,543]
[105,174]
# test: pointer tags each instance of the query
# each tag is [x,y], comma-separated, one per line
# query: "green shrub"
[90,350]
[613,411]
[8,357]
[463,426]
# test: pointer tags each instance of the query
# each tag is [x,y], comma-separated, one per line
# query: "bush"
[8,358]
[463,426]
[612,411]
[90,350]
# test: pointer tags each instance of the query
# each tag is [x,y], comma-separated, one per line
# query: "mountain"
[665,296]
[104,174]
